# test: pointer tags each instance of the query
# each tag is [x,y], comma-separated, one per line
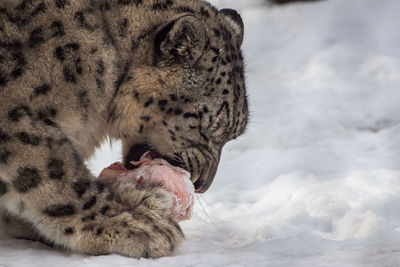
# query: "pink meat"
[174,179]
[112,172]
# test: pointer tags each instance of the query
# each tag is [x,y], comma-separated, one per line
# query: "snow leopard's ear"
[235,21]
[183,40]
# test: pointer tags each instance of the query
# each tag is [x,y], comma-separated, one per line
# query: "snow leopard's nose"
[203,168]
[203,183]
[198,185]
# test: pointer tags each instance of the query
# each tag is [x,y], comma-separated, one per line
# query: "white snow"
[316,179]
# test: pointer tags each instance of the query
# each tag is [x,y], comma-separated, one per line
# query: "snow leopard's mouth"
[202,173]
[137,151]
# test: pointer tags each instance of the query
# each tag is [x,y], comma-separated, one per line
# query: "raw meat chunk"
[174,179]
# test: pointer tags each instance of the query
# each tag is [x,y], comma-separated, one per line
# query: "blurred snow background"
[316,179]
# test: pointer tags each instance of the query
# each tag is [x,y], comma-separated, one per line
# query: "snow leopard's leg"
[15,227]
[47,185]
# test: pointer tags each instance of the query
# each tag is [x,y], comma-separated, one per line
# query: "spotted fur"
[165,75]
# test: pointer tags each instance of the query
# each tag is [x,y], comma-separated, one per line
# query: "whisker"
[177,158]
[151,145]
[208,204]
[169,143]
[205,212]
[258,123]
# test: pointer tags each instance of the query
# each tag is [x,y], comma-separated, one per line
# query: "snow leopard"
[160,75]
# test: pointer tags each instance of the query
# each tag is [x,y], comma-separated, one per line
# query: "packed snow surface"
[315,181]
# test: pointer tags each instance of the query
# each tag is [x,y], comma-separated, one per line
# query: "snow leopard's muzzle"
[201,161]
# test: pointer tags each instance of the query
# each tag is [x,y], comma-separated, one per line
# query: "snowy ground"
[316,179]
